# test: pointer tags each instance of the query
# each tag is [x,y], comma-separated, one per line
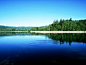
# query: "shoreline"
[48,31]
[58,31]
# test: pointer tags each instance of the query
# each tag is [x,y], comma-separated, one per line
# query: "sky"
[40,12]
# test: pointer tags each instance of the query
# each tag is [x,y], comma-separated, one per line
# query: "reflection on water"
[66,37]
[30,48]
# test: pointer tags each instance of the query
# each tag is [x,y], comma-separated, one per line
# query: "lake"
[34,48]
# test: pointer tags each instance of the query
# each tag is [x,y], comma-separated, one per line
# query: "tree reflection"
[65,37]
[68,37]
[62,37]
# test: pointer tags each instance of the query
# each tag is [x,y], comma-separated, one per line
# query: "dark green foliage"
[64,25]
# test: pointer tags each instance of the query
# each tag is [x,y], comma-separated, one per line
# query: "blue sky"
[39,12]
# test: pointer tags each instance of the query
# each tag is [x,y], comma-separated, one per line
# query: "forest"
[63,25]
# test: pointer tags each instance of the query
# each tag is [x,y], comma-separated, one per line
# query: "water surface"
[25,49]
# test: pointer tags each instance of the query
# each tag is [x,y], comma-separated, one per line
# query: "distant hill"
[20,27]
[1,26]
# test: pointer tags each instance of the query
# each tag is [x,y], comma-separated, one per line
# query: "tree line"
[63,25]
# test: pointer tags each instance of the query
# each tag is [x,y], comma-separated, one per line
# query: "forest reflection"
[66,37]
[63,37]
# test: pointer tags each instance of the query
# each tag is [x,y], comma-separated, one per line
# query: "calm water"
[25,49]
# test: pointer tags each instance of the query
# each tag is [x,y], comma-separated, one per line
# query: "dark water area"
[46,49]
